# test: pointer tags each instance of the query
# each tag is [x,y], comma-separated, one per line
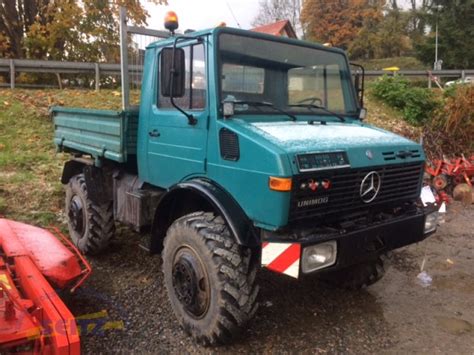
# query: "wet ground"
[397,315]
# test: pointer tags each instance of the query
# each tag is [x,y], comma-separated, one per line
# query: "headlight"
[431,221]
[319,256]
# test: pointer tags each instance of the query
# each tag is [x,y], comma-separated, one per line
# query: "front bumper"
[356,246]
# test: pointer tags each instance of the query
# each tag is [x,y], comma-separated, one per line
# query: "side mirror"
[173,72]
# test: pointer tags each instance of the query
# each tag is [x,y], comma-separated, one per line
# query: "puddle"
[454,326]
[459,282]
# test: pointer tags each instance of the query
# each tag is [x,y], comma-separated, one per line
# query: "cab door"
[177,149]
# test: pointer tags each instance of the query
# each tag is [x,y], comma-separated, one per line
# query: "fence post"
[124,58]
[12,74]
[463,75]
[97,77]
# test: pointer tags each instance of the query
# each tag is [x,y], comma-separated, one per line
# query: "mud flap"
[98,190]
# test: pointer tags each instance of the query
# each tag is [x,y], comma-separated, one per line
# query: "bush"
[451,131]
[417,104]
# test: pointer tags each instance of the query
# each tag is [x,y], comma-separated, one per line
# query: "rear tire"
[358,276]
[209,278]
[91,226]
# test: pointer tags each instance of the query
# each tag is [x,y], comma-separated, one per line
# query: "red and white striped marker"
[282,257]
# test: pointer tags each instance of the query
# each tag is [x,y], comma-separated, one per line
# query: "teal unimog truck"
[247,150]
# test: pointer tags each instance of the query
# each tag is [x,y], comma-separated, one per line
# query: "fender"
[98,188]
[212,198]
[71,168]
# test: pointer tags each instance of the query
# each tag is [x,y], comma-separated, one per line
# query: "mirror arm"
[361,99]
[191,119]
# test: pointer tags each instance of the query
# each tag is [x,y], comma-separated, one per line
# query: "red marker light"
[326,184]
[313,185]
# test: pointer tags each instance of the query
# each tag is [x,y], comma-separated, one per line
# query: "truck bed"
[100,133]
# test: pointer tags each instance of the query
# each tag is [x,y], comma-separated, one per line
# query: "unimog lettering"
[313,201]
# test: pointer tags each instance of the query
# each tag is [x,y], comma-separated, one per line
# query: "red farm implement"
[451,172]
[33,319]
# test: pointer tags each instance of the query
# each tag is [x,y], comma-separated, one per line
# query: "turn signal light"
[279,184]
[171,21]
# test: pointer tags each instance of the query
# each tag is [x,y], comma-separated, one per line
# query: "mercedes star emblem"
[370,186]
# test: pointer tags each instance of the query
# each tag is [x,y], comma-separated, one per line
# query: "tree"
[64,29]
[275,10]
[417,18]
[367,42]
[456,34]
[392,34]
[339,21]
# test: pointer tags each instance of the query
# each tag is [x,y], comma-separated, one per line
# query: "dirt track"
[397,315]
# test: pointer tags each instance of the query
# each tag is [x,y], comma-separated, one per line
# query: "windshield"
[291,77]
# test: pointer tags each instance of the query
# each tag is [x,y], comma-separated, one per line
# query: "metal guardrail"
[14,66]
[461,73]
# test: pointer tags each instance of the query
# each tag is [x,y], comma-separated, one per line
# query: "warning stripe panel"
[282,257]
[272,251]
[286,259]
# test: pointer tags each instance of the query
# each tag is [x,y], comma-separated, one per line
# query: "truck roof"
[247,33]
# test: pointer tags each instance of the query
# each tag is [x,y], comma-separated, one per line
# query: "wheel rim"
[76,215]
[191,282]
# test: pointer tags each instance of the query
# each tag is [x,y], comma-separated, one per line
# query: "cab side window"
[195,82]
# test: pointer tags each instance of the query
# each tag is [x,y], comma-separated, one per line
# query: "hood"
[301,136]
[359,141]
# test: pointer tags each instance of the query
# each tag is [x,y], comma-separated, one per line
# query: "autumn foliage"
[339,22]
[84,30]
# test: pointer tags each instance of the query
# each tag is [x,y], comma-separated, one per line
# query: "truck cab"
[247,150]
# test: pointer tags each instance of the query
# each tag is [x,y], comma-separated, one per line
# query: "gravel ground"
[397,315]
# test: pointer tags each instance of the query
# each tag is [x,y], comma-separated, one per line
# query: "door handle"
[154,133]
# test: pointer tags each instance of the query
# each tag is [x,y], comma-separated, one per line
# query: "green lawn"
[29,166]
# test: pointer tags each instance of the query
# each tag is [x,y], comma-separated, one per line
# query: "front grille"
[399,183]
[410,154]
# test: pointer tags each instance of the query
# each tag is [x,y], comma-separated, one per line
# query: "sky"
[201,14]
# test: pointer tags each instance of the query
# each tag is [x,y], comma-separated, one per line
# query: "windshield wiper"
[264,104]
[310,106]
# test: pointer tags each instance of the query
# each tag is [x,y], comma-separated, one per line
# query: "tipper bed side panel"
[100,133]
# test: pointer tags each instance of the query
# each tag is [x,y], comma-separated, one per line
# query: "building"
[280,28]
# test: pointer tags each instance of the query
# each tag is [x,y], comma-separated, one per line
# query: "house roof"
[276,28]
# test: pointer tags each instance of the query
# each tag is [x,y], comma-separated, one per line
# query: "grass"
[29,188]
[30,169]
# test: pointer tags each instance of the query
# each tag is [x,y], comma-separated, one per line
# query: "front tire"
[91,226]
[209,278]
